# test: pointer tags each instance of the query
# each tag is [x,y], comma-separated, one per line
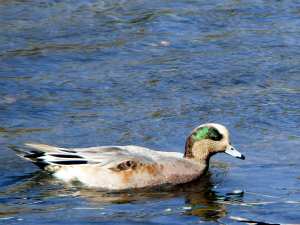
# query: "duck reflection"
[199,196]
[203,201]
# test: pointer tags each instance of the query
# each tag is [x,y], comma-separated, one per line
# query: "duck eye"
[215,138]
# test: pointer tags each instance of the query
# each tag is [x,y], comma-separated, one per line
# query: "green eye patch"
[207,133]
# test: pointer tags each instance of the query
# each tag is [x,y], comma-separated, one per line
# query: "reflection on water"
[196,198]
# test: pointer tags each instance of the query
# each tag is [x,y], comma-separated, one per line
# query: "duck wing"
[116,158]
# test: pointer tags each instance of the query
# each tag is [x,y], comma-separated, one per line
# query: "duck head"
[207,140]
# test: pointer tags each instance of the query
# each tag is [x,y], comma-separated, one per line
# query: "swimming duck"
[124,167]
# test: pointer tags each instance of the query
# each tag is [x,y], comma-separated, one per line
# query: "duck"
[127,167]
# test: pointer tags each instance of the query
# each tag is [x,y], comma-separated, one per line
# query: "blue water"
[88,73]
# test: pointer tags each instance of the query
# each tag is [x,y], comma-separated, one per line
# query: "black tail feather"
[33,157]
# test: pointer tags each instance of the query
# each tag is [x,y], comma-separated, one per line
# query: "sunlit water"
[88,73]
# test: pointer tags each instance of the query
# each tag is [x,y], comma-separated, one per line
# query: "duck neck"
[198,160]
[198,153]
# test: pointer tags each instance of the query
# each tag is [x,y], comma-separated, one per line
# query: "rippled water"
[88,73]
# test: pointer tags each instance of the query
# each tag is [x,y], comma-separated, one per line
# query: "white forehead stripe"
[219,127]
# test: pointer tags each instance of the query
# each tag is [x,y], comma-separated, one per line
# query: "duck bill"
[233,152]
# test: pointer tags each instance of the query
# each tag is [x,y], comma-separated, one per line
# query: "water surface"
[88,73]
